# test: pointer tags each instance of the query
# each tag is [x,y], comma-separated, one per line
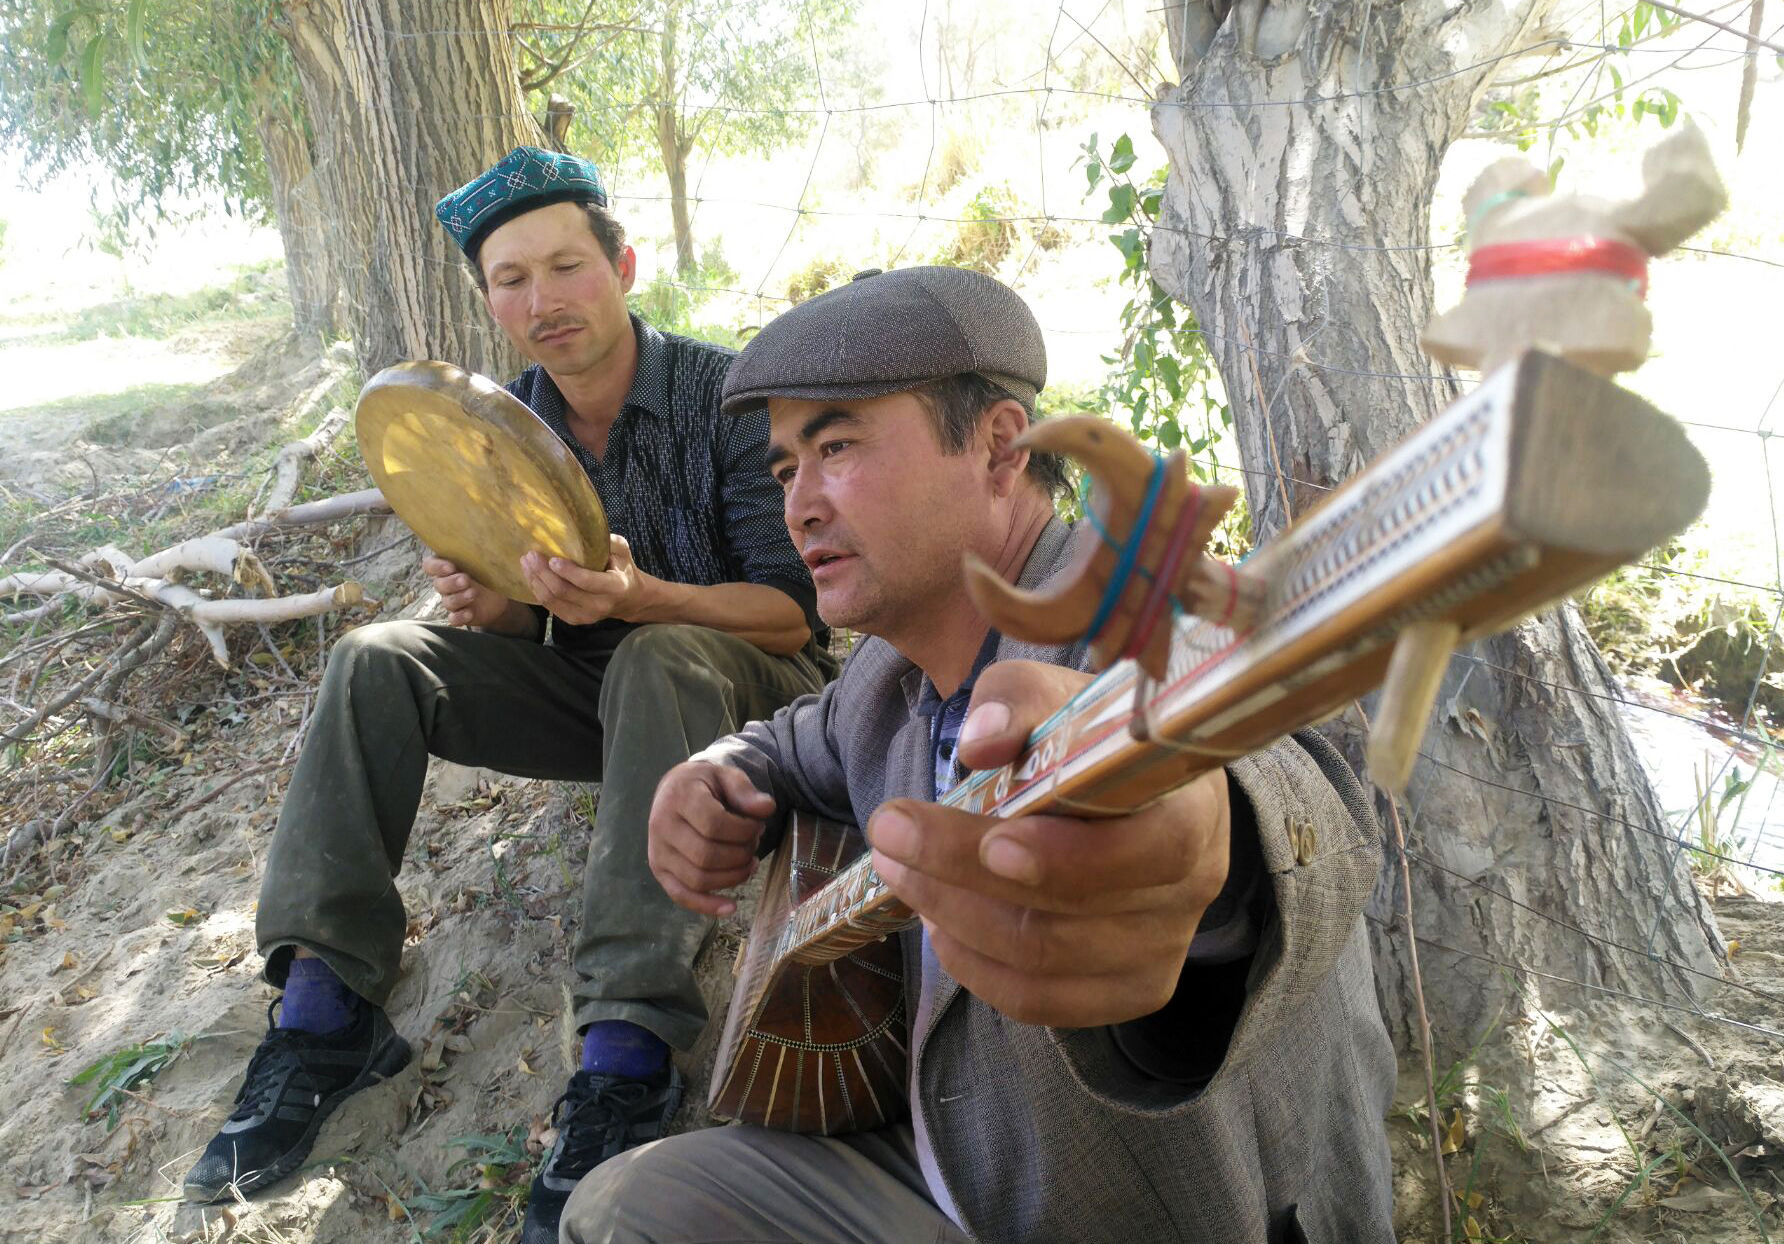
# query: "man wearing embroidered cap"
[703,620]
[1158,1026]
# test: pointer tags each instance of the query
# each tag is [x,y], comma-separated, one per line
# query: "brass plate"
[476,474]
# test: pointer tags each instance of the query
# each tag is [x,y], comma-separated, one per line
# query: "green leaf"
[93,75]
[55,46]
[1122,157]
[1121,204]
[133,33]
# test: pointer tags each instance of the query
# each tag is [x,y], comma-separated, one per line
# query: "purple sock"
[618,1048]
[315,999]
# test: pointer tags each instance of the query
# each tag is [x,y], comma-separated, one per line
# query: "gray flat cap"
[885,332]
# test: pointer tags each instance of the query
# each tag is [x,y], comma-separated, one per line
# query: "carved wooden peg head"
[1151,527]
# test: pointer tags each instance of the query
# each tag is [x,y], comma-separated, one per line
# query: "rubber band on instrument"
[1164,583]
[1144,729]
[1077,805]
[1130,552]
[1232,593]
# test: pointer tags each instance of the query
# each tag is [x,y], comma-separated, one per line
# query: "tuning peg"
[1414,671]
[1119,592]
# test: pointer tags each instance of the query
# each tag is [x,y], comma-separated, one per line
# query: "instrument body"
[1544,478]
[813,1047]
[477,475]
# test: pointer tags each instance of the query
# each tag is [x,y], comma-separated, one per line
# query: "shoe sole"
[390,1060]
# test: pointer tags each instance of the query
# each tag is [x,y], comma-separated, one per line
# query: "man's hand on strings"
[579,595]
[1052,919]
[705,823]
[468,602]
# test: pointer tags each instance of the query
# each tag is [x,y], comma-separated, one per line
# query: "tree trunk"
[672,144]
[1304,153]
[408,101]
[310,273]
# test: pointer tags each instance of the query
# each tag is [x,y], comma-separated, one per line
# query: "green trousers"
[623,714]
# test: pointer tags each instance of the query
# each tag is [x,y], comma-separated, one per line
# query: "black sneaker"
[598,1117]
[294,1082]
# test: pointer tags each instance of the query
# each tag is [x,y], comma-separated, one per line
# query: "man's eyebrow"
[810,431]
[555,255]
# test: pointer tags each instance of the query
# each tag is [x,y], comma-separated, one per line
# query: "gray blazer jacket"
[1054,1134]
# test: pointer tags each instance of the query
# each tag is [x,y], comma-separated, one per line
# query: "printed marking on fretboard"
[1441,476]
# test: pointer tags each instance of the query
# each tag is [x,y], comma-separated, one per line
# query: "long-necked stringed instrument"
[1545,477]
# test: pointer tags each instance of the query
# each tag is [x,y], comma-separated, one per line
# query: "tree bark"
[310,272]
[1305,143]
[671,142]
[408,101]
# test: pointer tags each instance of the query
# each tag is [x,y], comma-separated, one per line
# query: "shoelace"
[606,1110]
[260,1086]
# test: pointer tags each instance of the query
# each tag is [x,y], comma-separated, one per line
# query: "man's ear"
[627,267]
[1000,425]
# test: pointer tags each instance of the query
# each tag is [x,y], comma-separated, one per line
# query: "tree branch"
[1751,37]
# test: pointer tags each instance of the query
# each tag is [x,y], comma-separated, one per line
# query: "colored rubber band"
[1162,585]
[1130,552]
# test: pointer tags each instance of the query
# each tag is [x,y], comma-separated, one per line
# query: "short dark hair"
[608,232]
[957,402]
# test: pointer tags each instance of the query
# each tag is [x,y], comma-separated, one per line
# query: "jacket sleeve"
[1318,852]
[793,756]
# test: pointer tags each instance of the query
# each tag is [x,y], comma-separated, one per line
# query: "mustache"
[546,327]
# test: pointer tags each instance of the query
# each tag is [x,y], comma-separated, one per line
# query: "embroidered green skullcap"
[521,181]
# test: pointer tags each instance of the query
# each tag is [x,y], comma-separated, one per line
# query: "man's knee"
[664,655]
[669,645]
[379,650]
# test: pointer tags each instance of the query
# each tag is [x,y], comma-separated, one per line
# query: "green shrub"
[817,276]
[985,234]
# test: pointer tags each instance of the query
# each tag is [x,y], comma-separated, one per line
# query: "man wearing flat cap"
[1158,1026]
[704,620]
